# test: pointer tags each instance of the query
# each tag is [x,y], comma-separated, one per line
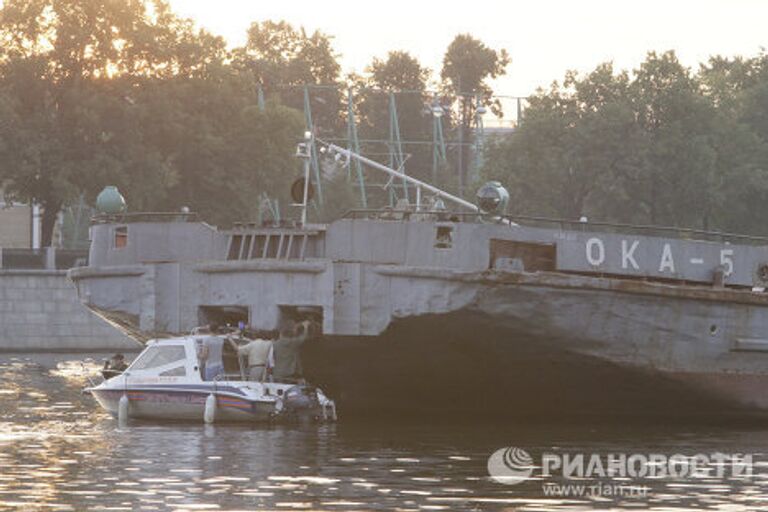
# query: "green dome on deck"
[110,201]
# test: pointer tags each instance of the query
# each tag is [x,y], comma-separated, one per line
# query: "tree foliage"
[468,65]
[212,148]
[283,60]
[66,66]
[279,54]
[661,145]
[125,92]
[401,76]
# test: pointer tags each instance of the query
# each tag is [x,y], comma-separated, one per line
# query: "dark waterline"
[59,451]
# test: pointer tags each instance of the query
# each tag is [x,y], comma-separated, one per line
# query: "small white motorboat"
[169,381]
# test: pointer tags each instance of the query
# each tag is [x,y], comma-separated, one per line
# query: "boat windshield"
[155,357]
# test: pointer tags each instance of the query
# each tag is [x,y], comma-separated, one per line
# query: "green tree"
[401,75]
[738,87]
[661,146]
[468,64]
[570,156]
[676,183]
[283,59]
[60,64]
[202,142]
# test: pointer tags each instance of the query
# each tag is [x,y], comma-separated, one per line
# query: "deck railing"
[127,218]
[463,216]
[563,224]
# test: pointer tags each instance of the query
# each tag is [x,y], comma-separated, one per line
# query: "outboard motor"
[493,198]
[301,400]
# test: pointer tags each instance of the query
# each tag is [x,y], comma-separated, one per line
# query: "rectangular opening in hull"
[291,315]
[220,316]
[514,255]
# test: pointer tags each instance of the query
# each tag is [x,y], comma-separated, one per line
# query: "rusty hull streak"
[562,280]
[631,286]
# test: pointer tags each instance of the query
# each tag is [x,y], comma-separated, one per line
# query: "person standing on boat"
[209,356]
[257,352]
[202,356]
[287,348]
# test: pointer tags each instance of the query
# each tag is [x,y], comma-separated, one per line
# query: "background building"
[19,226]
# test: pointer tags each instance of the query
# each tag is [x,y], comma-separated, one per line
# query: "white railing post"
[418,198]
[50,258]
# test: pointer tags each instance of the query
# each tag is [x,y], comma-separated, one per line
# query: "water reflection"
[58,451]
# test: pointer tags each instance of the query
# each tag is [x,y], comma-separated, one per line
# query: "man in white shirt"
[258,353]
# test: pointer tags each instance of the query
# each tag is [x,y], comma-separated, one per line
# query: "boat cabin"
[198,358]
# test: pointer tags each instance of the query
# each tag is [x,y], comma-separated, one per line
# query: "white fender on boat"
[210,409]
[122,409]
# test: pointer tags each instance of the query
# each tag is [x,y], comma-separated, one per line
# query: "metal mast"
[396,160]
[438,141]
[313,160]
[353,144]
[260,99]
[480,111]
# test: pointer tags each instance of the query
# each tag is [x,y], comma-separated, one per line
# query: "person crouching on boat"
[287,348]
[114,366]
[257,353]
[116,363]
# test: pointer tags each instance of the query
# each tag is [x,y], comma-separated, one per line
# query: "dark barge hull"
[543,346]
[453,366]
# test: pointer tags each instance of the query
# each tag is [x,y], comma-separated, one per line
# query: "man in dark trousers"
[287,354]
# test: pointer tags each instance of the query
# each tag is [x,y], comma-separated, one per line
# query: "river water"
[59,451]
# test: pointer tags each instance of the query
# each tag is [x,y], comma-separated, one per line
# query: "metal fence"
[68,258]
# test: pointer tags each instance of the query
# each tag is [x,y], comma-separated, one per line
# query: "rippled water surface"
[59,451]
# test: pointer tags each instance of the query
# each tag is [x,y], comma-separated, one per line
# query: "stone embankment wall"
[40,311]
